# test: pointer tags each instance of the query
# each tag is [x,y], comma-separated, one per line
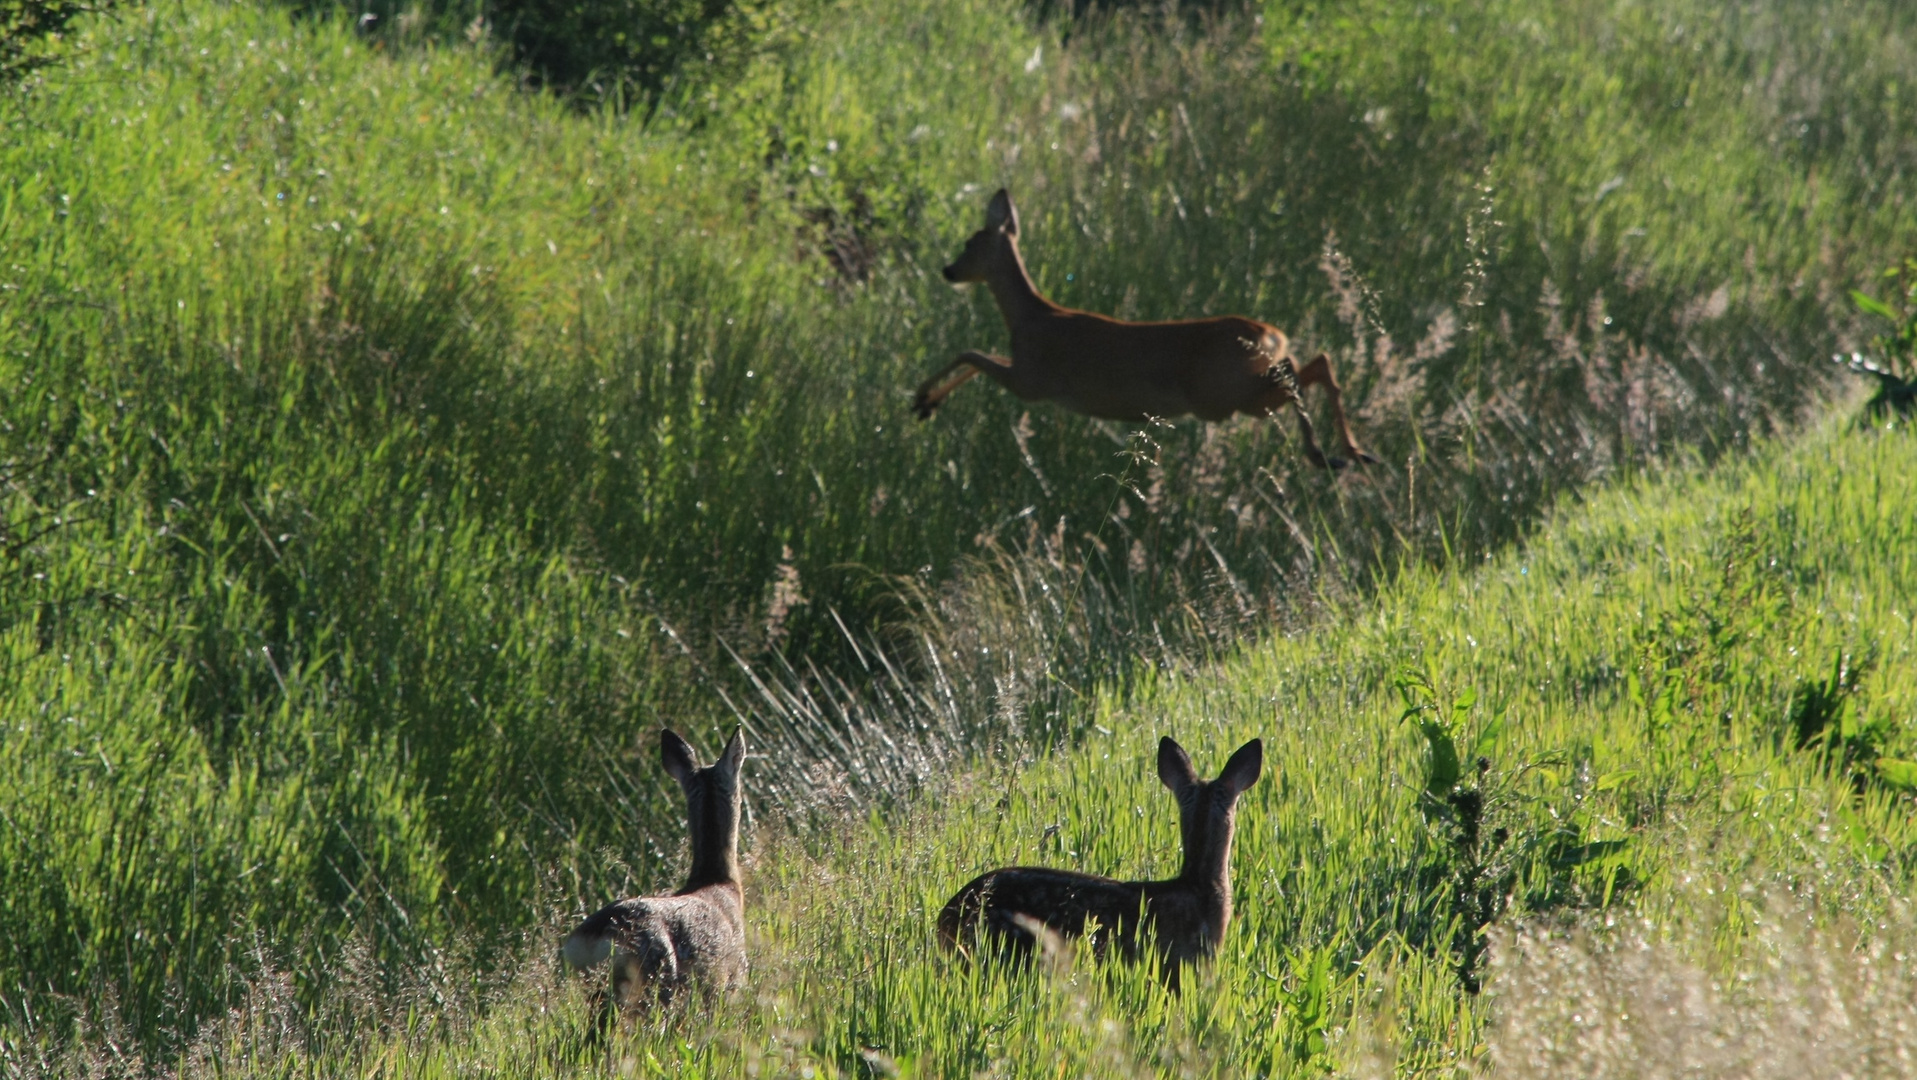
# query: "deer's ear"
[677,756]
[1244,768]
[734,755]
[1001,214]
[1174,766]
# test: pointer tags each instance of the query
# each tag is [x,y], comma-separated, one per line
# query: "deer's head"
[990,245]
[713,796]
[1207,809]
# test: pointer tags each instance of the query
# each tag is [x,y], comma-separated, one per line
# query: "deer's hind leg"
[1319,372]
[1312,453]
[645,973]
[932,393]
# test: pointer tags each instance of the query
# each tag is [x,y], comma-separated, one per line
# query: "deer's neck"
[712,824]
[1207,877]
[1208,863]
[1018,300]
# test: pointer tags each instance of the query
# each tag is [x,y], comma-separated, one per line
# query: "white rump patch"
[582,951]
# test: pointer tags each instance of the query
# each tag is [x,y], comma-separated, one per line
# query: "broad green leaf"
[1489,737]
[1582,854]
[1616,779]
[1441,772]
[1871,305]
[1898,773]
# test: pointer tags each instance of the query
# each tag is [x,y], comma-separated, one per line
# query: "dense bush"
[618,54]
[632,48]
[29,31]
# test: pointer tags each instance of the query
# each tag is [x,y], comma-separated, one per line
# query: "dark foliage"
[623,53]
[627,49]
[29,30]
[1194,10]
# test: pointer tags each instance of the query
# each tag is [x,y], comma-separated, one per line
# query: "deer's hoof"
[1335,463]
[1363,458]
[922,410]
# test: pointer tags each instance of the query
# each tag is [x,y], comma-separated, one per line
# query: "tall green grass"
[1653,849]
[388,451]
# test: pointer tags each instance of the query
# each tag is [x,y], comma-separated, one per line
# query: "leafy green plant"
[1495,853]
[1894,367]
[1309,1001]
[1694,656]
[1453,802]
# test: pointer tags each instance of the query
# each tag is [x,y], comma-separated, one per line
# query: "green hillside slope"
[1689,702]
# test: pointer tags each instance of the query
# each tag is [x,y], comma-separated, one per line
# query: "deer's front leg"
[931,393]
[1282,390]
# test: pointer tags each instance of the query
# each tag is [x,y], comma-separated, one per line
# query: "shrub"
[621,53]
[628,50]
[30,31]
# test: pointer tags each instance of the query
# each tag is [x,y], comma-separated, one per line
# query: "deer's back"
[1065,901]
[697,935]
[1129,370]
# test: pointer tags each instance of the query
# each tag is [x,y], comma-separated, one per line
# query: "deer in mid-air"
[1013,910]
[661,944]
[1117,370]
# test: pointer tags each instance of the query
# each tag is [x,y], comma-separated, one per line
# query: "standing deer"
[660,944]
[1118,370]
[1019,907]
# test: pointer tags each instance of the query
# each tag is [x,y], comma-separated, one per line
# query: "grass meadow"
[388,449]
[1668,840]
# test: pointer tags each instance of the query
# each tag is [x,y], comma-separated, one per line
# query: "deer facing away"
[661,944]
[1011,910]
[1117,370]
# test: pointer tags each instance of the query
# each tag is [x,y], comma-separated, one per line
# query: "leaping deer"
[1117,370]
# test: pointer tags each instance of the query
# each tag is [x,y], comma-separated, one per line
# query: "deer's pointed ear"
[1001,214]
[1244,768]
[677,756]
[734,755]
[1174,766]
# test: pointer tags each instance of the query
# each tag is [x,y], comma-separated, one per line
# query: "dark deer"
[1106,367]
[1009,910]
